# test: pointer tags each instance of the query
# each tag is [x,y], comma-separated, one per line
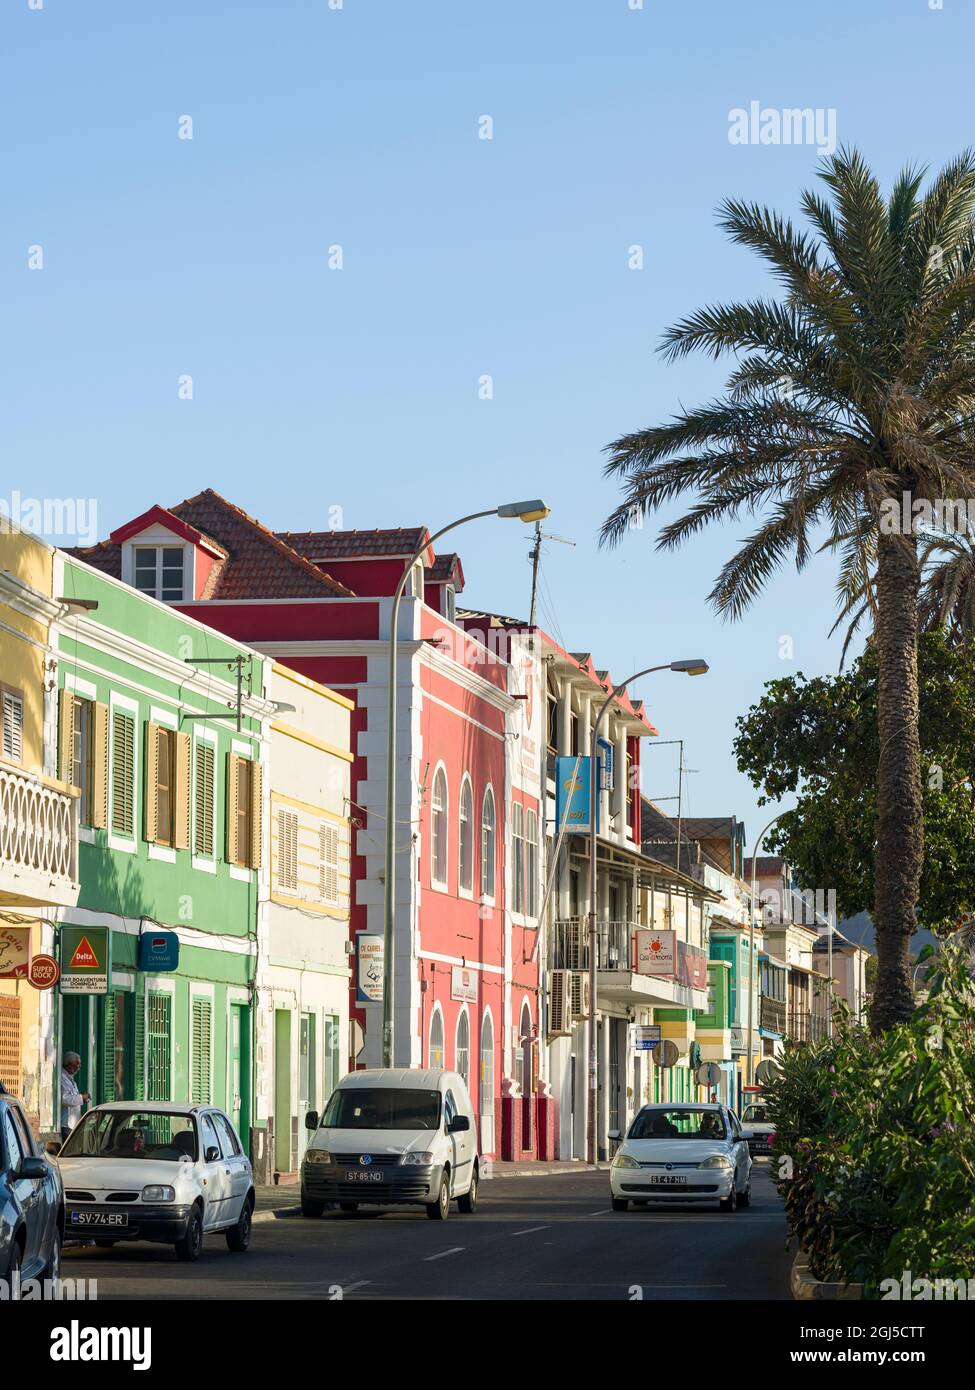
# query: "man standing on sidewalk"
[71,1098]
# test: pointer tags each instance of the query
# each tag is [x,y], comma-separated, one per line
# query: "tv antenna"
[535,555]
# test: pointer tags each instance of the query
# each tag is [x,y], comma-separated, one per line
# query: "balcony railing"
[616,950]
[772,1014]
[805,1026]
[38,842]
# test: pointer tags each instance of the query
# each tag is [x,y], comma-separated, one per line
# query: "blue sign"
[646,1036]
[158,950]
[572,795]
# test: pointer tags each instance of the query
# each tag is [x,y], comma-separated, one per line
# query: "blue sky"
[357,388]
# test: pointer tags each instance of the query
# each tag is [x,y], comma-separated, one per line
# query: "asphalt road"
[551,1237]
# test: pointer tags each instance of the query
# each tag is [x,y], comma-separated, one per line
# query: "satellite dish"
[667,1053]
[708,1074]
[766,1071]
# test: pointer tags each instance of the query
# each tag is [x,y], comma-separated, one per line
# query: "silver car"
[683,1153]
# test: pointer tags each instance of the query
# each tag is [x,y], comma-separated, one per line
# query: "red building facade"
[469,810]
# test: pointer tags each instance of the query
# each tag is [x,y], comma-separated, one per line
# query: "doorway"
[240,1071]
[282,1090]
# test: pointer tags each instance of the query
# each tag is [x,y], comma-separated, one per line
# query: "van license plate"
[363,1175]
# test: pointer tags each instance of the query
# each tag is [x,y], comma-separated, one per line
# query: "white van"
[396,1136]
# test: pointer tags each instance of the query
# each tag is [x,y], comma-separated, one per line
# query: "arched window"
[466,837]
[438,829]
[487,845]
[436,1041]
[462,1049]
[487,1084]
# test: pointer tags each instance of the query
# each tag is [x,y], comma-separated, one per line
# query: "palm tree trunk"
[900,824]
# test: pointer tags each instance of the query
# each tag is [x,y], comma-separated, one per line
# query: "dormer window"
[158,570]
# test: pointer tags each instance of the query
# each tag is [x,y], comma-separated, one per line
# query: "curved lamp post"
[534,510]
[694,667]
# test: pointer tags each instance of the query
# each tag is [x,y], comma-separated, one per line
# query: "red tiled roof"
[342,545]
[443,568]
[257,565]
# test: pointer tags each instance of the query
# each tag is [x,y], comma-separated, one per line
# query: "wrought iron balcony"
[38,842]
[772,1014]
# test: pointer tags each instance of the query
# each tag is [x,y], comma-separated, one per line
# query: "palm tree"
[855,386]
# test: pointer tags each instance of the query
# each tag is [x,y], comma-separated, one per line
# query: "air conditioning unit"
[580,994]
[559,1005]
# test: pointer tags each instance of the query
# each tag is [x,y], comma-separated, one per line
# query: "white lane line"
[605,1212]
[530,1230]
[454,1250]
[350,1288]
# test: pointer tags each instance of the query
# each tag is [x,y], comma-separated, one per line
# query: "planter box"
[804,1286]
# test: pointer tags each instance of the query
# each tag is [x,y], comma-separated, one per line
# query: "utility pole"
[535,555]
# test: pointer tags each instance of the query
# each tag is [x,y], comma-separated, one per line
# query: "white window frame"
[158,539]
[440,884]
[490,897]
[465,890]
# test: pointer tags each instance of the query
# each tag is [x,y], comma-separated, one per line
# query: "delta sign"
[86,965]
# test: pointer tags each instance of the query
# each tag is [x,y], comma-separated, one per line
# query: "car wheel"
[189,1247]
[468,1203]
[348,1206]
[620,1204]
[239,1236]
[745,1198]
[729,1203]
[309,1207]
[440,1209]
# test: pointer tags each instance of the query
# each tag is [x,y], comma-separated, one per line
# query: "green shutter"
[159,1046]
[139,1043]
[200,1051]
[204,796]
[123,773]
[108,1048]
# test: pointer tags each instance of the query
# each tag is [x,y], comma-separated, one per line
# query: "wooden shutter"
[200,1043]
[99,767]
[204,798]
[233,769]
[123,772]
[108,1048]
[139,1043]
[66,736]
[181,818]
[12,725]
[257,808]
[10,1060]
[287,851]
[328,868]
[152,781]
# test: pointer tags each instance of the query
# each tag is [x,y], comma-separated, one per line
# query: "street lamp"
[533,510]
[693,667]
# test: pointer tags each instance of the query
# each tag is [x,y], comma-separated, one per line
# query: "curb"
[490,1171]
[278,1214]
[805,1287]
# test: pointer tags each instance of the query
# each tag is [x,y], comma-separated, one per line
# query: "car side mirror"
[212,1155]
[616,1134]
[459,1124]
[33,1168]
[311,1119]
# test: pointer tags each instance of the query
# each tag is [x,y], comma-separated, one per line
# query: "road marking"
[605,1212]
[530,1230]
[350,1288]
[454,1250]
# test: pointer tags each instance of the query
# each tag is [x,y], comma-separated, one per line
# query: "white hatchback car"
[159,1172]
[682,1153]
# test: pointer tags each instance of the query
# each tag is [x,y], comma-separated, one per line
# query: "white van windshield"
[366,1107]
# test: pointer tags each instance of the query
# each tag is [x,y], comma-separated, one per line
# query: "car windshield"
[687,1122]
[367,1107]
[134,1134]
[756,1114]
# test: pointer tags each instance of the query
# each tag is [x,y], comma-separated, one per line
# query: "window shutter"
[181,830]
[152,781]
[257,823]
[123,773]
[99,770]
[233,766]
[200,1041]
[287,851]
[204,798]
[66,736]
[139,1044]
[108,1048]
[328,867]
[12,724]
